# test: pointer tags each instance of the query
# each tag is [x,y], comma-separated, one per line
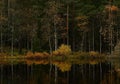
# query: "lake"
[59,72]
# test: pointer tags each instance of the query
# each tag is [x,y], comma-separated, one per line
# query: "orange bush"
[112,8]
[45,54]
[38,54]
[62,50]
[56,53]
[93,53]
[29,54]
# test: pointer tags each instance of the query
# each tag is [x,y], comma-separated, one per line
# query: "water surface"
[59,72]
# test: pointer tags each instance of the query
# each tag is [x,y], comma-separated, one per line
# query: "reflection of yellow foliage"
[108,78]
[30,62]
[62,50]
[93,53]
[93,62]
[41,62]
[2,54]
[63,66]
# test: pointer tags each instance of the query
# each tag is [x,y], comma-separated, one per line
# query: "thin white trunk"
[100,44]
[56,46]
[100,38]
[50,46]
[27,44]
[82,43]
[9,18]
[67,24]
[12,45]
[1,40]
[68,77]
[8,13]
[110,26]
[55,35]
[50,72]
[89,46]
[93,37]
[31,44]
[56,74]
[1,31]
[1,74]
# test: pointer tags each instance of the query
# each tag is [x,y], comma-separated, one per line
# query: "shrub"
[93,53]
[38,54]
[46,54]
[56,53]
[3,54]
[29,54]
[62,50]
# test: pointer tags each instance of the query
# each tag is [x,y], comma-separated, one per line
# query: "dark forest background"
[43,25]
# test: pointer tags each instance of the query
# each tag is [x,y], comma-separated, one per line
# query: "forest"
[55,26]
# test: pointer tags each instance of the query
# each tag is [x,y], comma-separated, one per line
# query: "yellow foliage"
[93,53]
[84,54]
[46,54]
[38,54]
[29,54]
[2,54]
[56,53]
[62,50]
[112,8]
[41,54]
[81,18]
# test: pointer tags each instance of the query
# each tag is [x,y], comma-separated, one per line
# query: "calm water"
[59,72]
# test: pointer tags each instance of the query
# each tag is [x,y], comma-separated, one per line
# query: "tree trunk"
[1,41]
[1,31]
[20,47]
[100,31]
[55,35]
[67,26]
[82,43]
[100,40]
[93,35]
[110,26]
[50,46]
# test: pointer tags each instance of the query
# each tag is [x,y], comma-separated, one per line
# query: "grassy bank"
[62,53]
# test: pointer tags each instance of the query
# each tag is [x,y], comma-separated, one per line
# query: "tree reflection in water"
[43,72]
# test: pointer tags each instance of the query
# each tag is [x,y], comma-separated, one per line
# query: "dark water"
[45,72]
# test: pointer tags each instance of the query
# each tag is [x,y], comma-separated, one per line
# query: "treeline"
[43,25]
